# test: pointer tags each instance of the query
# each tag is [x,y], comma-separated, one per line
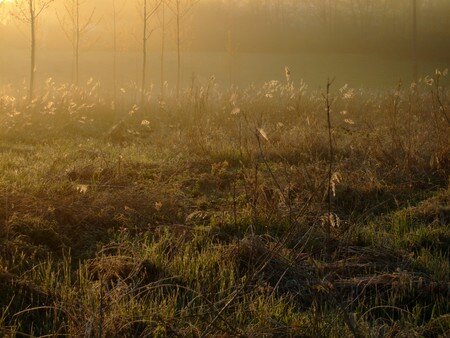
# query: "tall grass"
[208,214]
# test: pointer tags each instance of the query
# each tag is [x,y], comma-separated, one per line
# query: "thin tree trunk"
[114,51]
[77,43]
[415,61]
[77,56]
[163,48]
[144,54]
[178,50]
[33,50]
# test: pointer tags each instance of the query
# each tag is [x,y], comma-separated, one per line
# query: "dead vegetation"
[212,216]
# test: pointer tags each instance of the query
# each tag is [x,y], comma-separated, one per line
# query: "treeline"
[231,26]
[381,26]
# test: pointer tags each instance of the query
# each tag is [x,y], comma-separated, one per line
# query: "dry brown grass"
[212,217]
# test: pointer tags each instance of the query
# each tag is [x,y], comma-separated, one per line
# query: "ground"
[225,213]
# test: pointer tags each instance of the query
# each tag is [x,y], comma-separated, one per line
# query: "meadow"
[272,210]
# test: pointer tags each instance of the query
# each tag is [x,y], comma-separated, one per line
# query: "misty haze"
[224,168]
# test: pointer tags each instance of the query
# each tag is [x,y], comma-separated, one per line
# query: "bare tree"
[180,9]
[29,12]
[162,19]
[149,8]
[117,8]
[414,41]
[75,30]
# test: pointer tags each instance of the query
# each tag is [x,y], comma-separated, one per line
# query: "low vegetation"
[225,212]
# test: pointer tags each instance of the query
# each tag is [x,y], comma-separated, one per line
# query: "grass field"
[226,213]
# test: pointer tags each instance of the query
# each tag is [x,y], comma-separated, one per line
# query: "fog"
[366,43]
[224,168]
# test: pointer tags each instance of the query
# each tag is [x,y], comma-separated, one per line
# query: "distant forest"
[272,26]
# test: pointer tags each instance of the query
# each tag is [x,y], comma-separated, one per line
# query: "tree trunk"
[114,52]
[415,62]
[33,49]
[144,54]
[178,50]
[77,42]
[163,48]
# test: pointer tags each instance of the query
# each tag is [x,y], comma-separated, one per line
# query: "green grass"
[195,224]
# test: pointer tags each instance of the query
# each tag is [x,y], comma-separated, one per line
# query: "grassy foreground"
[225,213]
